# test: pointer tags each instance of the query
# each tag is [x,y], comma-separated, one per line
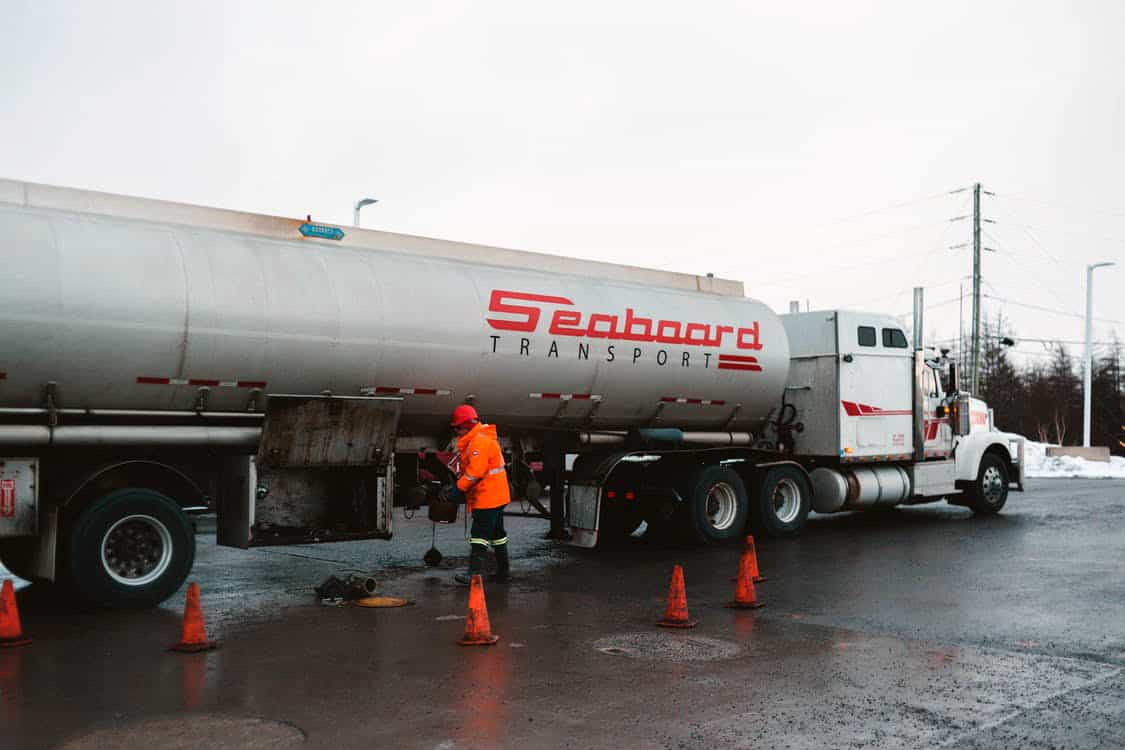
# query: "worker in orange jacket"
[484,482]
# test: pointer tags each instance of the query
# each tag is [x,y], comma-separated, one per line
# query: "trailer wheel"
[131,549]
[989,492]
[782,504]
[717,505]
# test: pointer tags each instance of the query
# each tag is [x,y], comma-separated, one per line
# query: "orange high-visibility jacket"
[483,478]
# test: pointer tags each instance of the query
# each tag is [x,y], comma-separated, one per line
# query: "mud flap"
[583,503]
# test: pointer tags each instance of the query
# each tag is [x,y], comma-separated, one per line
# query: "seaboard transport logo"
[618,334]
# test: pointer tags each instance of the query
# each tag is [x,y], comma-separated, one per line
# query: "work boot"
[503,569]
[478,555]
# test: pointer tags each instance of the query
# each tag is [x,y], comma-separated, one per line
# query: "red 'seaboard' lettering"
[614,327]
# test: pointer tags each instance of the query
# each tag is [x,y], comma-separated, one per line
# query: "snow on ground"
[1059,467]
[18,582]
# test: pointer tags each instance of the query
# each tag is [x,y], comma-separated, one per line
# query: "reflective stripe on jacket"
[483,478]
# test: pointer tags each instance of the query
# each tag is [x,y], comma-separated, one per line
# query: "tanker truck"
[297,377]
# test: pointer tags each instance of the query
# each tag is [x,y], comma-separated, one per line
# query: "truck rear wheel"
[717,505]
[782,504]
[131,549]
[989,492]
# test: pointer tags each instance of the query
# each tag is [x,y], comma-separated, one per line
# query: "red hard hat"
[462,414]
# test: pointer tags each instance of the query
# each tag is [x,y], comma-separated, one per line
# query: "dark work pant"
[488,527]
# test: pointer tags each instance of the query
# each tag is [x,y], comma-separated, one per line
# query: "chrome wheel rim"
[992,485]
[136,550]
[786,501]
[722,506]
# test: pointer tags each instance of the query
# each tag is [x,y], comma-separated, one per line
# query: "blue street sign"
[322,232]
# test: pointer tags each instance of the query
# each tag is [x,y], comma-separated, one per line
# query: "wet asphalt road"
[917,628]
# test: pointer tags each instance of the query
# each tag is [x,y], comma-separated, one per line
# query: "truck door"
[936,427]
[876,387]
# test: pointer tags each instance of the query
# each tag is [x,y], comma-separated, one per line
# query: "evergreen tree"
[1065,398]
[1000,384]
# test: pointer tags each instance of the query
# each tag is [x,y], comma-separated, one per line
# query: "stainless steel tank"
[172,313]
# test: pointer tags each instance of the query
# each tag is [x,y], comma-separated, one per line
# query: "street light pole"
[1087,376]
[358,205]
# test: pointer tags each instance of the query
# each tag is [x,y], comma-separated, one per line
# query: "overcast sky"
[738,138]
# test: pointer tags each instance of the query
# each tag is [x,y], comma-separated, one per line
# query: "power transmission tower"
[975,380]
[974,354]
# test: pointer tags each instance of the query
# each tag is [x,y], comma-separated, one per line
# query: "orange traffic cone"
[749,547]
[744,595]
[676,614]
[11,633]
[194,635]
[753,552]
[478,630]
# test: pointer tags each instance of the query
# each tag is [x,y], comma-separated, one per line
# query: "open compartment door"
[324,473]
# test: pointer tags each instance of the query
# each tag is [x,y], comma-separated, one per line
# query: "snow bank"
[1057,467]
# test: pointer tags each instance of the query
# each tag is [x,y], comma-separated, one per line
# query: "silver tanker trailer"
[297,377]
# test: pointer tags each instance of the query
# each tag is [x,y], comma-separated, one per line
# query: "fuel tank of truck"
[171,313]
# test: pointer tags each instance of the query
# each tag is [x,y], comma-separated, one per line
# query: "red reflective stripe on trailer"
[582,396]
[386,389]
[694,401]
[203,381]
[145,380]
[732,366]
[251,384]
[3,376]
[550,395]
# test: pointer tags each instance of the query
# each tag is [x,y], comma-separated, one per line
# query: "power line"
[1051,310]
[891,207]
[848,267]
[1063,204]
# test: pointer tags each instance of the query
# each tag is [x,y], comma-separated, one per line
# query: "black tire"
[989,491]
[782,504]
[130,533]
[717,506]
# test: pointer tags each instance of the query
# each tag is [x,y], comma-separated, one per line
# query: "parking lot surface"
[920,627]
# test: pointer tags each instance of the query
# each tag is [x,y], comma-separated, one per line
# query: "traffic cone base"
[683,624]
[11,632]
[745,605]
[478,630]
[676,613]
[194,648]
[193,637]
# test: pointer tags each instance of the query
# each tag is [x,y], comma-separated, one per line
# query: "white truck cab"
[872,423]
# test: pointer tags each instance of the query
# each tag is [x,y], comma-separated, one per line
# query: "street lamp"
[360,204]
[1087,376]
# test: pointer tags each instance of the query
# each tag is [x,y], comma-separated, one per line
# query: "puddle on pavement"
[670,647]
[191,731]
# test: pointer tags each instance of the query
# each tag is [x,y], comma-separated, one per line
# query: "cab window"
[893,338]
[930,382]
[866,335]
